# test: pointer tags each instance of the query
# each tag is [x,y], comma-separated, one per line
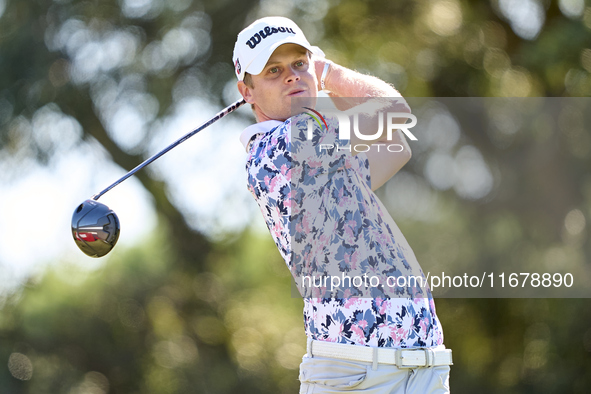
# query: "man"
[320,208]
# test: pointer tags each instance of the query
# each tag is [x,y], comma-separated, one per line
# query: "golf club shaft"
[219,115]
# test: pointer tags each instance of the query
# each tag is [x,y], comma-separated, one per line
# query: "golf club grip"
[229,109]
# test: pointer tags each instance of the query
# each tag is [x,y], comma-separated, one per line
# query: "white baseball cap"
[256,43]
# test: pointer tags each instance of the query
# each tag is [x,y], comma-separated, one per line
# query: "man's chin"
[301,104]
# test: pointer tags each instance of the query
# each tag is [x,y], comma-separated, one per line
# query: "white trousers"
[323,375]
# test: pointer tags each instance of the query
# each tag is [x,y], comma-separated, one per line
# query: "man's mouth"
[296,92]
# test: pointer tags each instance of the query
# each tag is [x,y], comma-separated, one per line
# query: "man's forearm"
[343,82]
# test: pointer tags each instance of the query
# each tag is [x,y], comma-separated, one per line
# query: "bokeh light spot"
[20,366]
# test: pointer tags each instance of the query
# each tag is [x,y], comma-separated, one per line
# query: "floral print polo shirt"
[323,216]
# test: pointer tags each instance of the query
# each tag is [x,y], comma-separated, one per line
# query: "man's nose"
[293,75]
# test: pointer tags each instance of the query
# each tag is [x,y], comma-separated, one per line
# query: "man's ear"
[246,92]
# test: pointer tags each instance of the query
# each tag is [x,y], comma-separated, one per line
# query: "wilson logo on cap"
[266,32]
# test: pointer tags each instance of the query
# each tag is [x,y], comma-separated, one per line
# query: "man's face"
[289,73]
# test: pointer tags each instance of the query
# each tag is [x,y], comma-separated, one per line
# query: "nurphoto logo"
[391,121]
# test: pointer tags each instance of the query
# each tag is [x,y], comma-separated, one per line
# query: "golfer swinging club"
[326,218]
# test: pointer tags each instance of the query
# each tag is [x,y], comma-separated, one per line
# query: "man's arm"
[353,92]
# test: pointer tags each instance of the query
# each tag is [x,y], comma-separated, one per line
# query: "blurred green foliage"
[137,325]
[192,315]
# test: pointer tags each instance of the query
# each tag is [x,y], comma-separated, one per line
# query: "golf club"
[95,227]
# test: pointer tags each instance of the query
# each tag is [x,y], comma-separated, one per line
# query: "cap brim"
[259,63]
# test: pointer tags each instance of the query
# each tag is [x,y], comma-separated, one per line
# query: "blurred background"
[195,297]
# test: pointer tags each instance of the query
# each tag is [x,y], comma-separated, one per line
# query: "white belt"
[402,358]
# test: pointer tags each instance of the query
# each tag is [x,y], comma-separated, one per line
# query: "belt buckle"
[398,359]
[429,358]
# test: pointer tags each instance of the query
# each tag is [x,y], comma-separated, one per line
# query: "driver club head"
[95,228]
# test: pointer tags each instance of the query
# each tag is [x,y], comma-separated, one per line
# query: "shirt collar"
[257,128]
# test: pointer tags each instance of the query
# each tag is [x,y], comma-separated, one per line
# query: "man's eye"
[299,63]
[273,70]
